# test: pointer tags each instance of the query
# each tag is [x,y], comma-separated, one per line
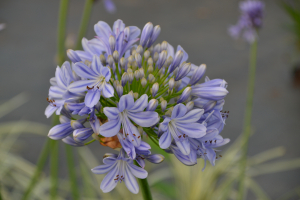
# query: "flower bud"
[161,59]
[112,42]
[116,56]
[163,105]
[136,95]
[185,95]
[171,83]
[169,112]
[130,59]
[129,70]
[122,63]
[73,56]
[146,34]
[134,65]
[169,61]
[154,88]
[197,74]
[139,49]
[150,61]
[177,84]
[155,34]
[142,73]
[131,93]
[137,75]
[150,49]
[189,106]
[103,59]
[124,79]
[151,77]
[130,77]
[138,59]
[152,105]
[177,59]
[143,82]
[70,141]
[150,69]
[164,46]
[82,134]
[116,83]
[110,60]
[155,57]
[133,52]
[183,71]
[161,71]
[146,54]
[157,48]
[119,89]
[132,49]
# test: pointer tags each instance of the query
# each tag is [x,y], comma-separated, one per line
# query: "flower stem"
[62,22]
[145,189]
[247,122]
[84,21]
[72,172]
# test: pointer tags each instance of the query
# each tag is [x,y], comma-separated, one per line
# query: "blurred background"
[28,49]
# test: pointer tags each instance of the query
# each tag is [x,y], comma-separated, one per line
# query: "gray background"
[27,62]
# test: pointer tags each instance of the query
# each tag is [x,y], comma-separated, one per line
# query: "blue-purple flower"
[126,111]
[118,169]
[250,21]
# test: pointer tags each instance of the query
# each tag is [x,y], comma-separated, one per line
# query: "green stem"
[54,169]
[40,165]
[247,122]
[62,22]
[145,189]
[72,172]
[84,21]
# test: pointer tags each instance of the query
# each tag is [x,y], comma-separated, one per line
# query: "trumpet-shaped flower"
[118,169]
[97,83]
[128,109]
[181,125]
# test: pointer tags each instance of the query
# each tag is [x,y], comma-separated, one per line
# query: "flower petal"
[110,128]
[140,104]
[84,71]
[126,102]
[111,112]
[96,65]
[70,141]
[80,86]
[106,73]
[108,90]
[193,130]
[144,119]
[210,93]
[108,183]
[92,98]
[102,169]
[60,131]
[50,110]
[184,146]
[155,158]
[137,171]
[178,111]
[190,117]
[102,29]
[130,181]
[165,140]
[82,134]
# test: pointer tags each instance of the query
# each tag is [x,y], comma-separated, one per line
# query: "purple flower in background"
[118,169]
[109,6]
[250,21]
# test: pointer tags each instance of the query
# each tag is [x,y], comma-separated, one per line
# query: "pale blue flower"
[109,6]
[96,84]
[128,109]
[118,169]
[181,125]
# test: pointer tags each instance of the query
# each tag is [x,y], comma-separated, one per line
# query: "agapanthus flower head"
[250,21]
[121,93]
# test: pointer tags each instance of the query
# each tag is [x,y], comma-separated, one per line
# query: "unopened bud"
[142,73]
[103,59]
[130,59]
[146,54]
[143,82]
[110,60]
[176,62]
[163,105]
[183,71]
[197,74]
[185,95]
[157,48]
[131,93]
[137,75]
[169,112]
[150,61]
[162,59]
[134,65]
[138,59]
[155,57]
[154,88]
[152,105]
[151,77]
[146,33]
[136,95]
[139,49]
[169,61]
[189,106]
[132,49]
[116,83]
[116,56]
[122,63]
[119,89]
[177,84]
[124,79]
[112,42]
[130,77]
[150,69]
[164,45]
[133,52]
[154,36]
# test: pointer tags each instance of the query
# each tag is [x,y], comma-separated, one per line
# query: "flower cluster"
[121,93]
[250,21]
